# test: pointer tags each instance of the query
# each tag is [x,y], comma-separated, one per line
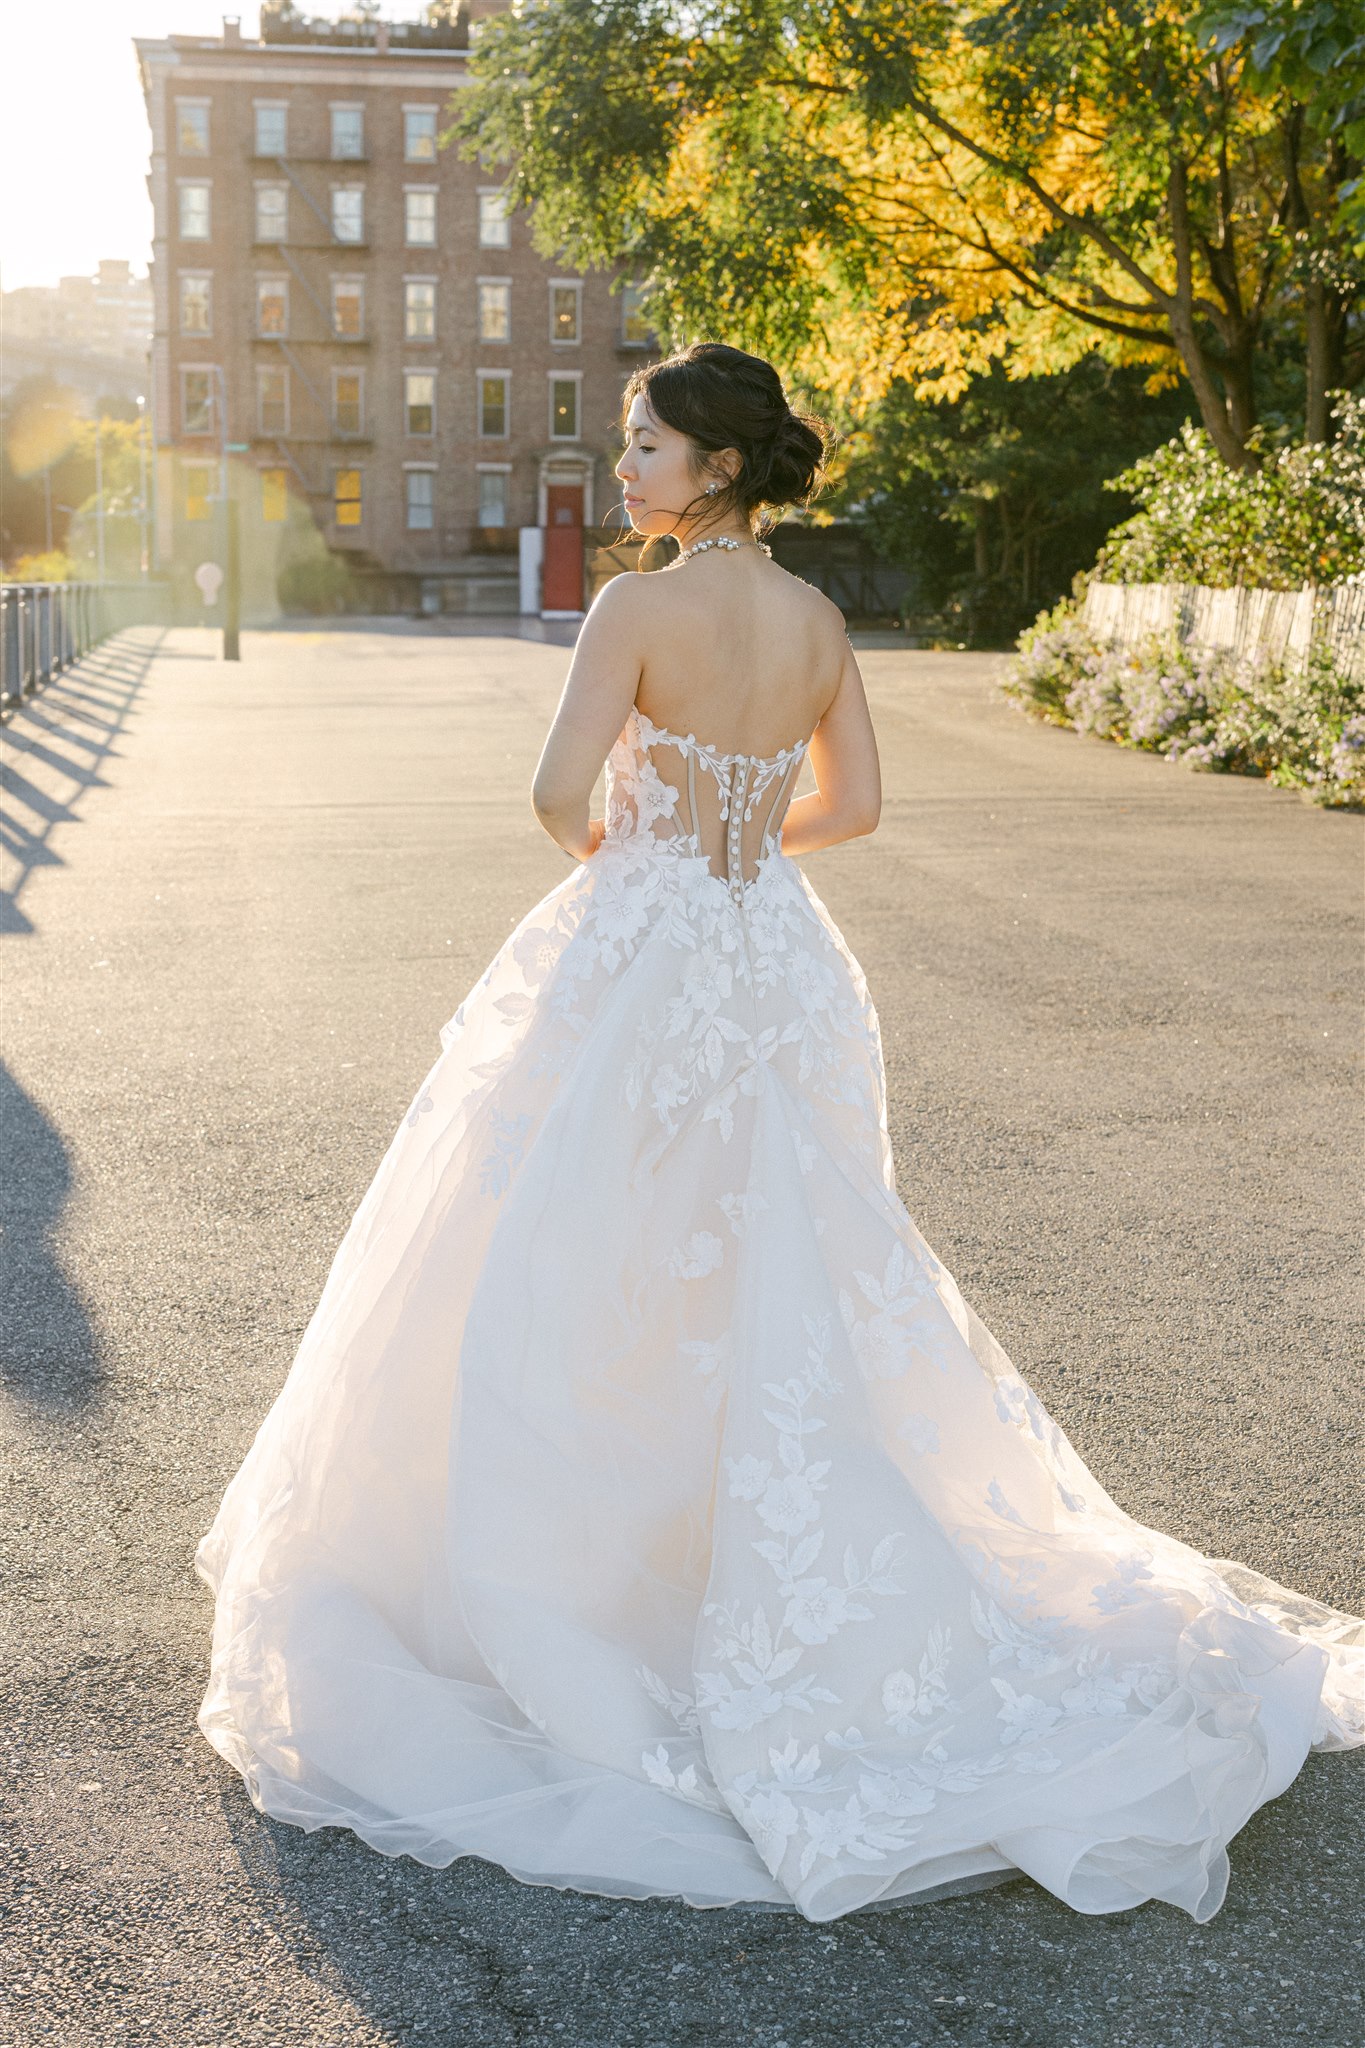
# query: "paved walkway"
[1120,1006]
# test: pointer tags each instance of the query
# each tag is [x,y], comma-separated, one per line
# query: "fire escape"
[302,445]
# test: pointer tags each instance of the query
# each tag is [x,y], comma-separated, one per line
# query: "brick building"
[405,382]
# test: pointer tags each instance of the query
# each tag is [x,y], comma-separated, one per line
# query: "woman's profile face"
[657,481]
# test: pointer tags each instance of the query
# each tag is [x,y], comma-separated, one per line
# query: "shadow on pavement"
[49,1357]
[55,750]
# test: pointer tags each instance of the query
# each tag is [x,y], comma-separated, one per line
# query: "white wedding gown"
[647,1512]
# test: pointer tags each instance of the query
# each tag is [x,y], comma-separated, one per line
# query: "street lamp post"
[99,502]
[232,564]
[142,484]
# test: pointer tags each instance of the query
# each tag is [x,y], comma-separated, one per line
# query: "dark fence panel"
[838,559]
[45,627]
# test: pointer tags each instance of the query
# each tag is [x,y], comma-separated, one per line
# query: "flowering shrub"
[1301,728]
[1299,518]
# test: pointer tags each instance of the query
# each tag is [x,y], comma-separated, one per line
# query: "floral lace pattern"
[644,1479]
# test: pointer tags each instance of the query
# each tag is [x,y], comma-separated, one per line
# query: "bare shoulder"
[821,614]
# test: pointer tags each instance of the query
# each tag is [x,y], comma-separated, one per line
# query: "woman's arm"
[593,706]
[843,757]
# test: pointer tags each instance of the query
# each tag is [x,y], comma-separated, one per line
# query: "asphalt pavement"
[1120,1006]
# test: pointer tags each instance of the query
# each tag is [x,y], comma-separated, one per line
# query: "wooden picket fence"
[1287,624]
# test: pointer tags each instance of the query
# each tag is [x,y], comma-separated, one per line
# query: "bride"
[645,1510]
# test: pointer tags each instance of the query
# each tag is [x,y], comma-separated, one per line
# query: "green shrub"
[1299,518]
[1301,727]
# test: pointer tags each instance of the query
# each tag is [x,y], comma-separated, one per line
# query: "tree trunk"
[1221,416]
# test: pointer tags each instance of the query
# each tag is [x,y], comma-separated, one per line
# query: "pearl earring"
[710,488]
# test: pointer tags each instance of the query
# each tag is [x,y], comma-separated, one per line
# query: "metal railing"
[45,627]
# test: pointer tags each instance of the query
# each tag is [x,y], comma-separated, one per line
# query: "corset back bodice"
[728,806]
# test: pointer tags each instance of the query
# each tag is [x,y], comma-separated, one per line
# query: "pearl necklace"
[719,540]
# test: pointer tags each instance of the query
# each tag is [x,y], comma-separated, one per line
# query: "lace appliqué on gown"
[647,1511]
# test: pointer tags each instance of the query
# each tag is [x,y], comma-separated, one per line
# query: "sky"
[73,138]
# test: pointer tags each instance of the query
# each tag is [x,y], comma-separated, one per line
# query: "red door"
[563,582]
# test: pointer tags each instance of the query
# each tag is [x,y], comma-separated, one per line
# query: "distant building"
[393,353]
[92,334]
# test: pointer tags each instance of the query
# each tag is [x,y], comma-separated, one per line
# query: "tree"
[995,500]
[48,479]
[1314,57]
[881,189]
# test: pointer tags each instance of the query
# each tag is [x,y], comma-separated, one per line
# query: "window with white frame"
[494,228]
[272,305]
[492,497]
[272,398]
[195,217]
[419,401]
[197,409]
[636,331]
[495,309]
[419,135]
[565,312]
[419,308]
[494,403]
[419,216]
[196,303]
[421,499]
[272,127]
[348,308]
[564,407]
[200,483]
[272,213]
[348,401]
[348,213]
[192,127]
[348,130]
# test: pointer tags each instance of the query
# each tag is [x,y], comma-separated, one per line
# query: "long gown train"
[647,1512]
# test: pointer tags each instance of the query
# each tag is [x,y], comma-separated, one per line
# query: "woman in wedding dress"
[645,1510]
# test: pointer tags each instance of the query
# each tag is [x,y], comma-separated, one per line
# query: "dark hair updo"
[720,397]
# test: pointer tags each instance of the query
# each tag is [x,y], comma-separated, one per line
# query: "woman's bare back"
[739,652]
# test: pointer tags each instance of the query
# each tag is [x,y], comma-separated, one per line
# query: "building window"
[495,309]
[348,132]
[272,132]
[419,309]
[192,127]
[419,401]
[419,135]
[348,402]
[636,331]
[348,213]
[421,487]
[196,402]
[563,408]
[274,496]
[272,399]
[194,212]
[272,305]
[346,500]
[196,305]
[348,308]
[494,230]
[419,216]
[272,213]
[564,312]
[493,404]
[492,497]
[198,479]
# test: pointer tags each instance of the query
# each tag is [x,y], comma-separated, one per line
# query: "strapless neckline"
[689,742]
